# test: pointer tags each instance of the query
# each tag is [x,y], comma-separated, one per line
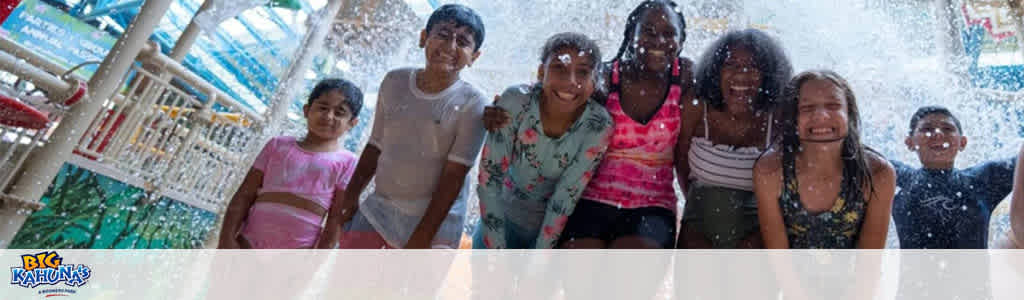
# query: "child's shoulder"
[279,141]
[599,112]
[399,74]
[278,144]
[347,157]
[469,96]
[400,71]
[472,92]
[770,163]
[879,166]
[515,97]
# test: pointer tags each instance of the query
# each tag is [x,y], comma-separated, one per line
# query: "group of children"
[587,156]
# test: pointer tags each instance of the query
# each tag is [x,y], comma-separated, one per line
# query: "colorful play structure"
[129,123]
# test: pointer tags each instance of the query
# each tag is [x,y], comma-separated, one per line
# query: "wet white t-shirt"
[417,133]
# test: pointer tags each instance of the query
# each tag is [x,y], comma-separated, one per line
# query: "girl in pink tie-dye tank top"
[631,202]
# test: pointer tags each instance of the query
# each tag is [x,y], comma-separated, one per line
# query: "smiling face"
[567,80]
[822,112]
[657,38]
[448,47]
[329,117]
[937,141]
[740,80]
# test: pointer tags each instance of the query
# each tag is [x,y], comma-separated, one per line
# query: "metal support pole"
[189,36]
[950,44]
[311,46]
[1017,13]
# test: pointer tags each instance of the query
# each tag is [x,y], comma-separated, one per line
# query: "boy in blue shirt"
[938,206]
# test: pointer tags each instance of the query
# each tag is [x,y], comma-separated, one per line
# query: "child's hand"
[495,117]
[415,243]
[329,238]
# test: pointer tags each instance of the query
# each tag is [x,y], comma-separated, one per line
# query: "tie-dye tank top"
[638,169]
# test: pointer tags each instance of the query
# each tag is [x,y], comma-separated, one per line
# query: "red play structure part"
[79,94]
[15,113]
[102,142]
[6,7]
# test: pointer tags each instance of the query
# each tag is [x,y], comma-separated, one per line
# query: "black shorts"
[592,219]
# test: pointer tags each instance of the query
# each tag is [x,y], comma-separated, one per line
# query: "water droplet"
[565,58]
[958,194]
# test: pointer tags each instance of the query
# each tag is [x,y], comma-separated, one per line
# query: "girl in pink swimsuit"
[293,184]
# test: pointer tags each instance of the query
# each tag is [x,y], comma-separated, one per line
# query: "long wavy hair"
[856,170]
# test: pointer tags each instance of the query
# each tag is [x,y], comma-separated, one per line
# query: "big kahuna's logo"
[48,268]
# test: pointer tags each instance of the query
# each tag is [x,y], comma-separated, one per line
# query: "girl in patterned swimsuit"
[821,188]
[533,171]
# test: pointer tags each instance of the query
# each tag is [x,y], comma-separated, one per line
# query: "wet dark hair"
[571,40]
[770,58]
[353,96]
[462,16]
[634,18]
[928,110]
[856,170]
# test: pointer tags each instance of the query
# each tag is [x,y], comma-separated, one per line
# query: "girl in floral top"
[533,171]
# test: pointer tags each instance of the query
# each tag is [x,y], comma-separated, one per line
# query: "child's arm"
[238,209]
[998,180]
[338,214]
[365,169]
[452,178]
[494,164]
[495,116]
[1017,203]
[691,115]
[879,204]
[331,232]
[767,189]
[570,187]
[469,138]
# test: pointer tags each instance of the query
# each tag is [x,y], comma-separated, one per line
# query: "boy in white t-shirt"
[427,132]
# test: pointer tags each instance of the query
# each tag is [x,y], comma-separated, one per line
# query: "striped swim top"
[723,165]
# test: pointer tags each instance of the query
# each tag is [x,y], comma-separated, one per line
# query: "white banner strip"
[463,274]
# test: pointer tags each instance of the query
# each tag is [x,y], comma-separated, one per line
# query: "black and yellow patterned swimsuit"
[837,228]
